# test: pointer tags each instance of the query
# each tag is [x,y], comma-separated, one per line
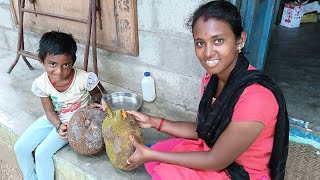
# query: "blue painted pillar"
[257,19]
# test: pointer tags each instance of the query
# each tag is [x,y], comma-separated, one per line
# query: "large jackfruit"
[116,129]
[85,130]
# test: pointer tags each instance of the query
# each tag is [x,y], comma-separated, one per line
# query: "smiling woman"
[242,126]
[216,45]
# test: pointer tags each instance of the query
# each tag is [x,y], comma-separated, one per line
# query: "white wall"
[165,49]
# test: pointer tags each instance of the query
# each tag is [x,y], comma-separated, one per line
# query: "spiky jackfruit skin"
[85,130]
[116,131]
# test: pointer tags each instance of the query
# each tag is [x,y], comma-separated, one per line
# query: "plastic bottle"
[148,88]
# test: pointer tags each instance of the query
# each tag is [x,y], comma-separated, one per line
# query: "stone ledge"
[19,108]
[71,165]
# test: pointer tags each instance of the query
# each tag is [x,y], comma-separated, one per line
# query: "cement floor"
[293,61]
[8,172]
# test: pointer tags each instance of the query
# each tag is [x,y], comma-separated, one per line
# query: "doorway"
[293,61]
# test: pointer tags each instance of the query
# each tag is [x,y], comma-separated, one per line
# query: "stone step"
[68,163]
[19,107]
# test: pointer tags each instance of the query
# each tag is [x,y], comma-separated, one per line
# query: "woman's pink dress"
[256,103]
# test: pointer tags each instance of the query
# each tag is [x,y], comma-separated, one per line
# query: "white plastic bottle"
[148,88]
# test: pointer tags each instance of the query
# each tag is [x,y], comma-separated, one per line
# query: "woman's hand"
[63,131]
[139,157]
[143,120]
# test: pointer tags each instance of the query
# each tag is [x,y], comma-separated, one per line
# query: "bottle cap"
[146,74]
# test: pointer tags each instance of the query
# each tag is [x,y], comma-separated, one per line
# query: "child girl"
[62,90]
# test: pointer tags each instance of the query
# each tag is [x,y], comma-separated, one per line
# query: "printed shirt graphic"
[68,102]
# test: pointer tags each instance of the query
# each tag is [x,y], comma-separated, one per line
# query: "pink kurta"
[256,103]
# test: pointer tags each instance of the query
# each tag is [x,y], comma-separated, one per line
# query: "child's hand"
[139,157]
[101,106]
[95,101]
[63,131]
[96,105]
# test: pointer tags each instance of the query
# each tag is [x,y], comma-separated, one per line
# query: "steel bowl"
[123,100]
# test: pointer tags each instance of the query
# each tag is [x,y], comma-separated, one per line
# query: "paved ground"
[293,60]
[8,172]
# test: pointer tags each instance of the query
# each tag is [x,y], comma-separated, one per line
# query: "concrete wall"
[165,49]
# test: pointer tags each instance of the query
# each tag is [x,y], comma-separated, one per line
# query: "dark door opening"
[293,61]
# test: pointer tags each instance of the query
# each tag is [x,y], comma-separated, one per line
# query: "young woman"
[62,90]
[242,126]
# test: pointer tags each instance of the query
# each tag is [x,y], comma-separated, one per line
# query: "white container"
[148,88]
[291,15]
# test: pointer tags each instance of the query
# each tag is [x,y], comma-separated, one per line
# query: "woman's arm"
[174,128]
[235,140]
[179,129]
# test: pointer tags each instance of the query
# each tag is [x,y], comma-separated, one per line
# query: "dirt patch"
[8,172]
[303,162]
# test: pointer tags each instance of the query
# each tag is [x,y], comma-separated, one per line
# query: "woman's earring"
[239,49]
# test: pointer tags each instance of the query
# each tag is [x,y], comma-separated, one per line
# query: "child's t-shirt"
[76,96]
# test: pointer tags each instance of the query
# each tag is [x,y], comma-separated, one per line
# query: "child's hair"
[222,10]
[55,42]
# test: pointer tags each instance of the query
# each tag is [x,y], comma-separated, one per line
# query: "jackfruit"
[84,130]
[116,128]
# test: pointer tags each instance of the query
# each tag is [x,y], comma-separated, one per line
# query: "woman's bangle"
[161,124]
[58,127]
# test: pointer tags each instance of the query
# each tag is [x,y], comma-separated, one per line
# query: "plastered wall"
[165,49]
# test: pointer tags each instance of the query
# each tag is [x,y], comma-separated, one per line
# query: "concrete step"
[19,108]
[68,163]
